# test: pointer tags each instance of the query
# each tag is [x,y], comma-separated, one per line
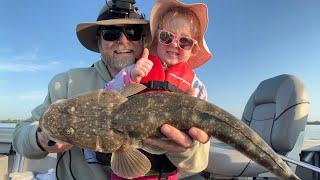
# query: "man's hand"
[178,141]
[142,67]
[43,139]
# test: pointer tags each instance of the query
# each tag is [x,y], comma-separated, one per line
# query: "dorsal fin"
[132,89]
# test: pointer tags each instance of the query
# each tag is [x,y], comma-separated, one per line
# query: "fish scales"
[110,120]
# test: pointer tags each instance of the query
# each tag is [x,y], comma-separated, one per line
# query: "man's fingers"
[198,135]
[167,145]
[177,141]
[145,53]
[177,136]
[51,147]
[59,147]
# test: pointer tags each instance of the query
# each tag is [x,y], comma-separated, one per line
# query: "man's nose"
[123,39]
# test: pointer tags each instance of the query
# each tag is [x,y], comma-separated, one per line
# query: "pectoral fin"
[132,89]
[130,163]
[153,149]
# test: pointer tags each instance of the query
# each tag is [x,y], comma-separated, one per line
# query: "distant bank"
[313,122]
[10,121]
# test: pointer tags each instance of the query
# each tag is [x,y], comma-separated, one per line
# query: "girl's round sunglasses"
[113,33]
[166,38]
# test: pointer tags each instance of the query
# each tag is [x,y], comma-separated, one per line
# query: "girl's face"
[171,53]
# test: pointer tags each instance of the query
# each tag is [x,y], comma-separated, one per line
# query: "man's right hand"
[142,67]
[43,139]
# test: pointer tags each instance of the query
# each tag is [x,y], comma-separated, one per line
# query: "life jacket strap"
[161,85]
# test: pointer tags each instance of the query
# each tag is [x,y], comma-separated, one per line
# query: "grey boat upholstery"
[277,110]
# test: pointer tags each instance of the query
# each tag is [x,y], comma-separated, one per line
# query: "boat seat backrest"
[277,111]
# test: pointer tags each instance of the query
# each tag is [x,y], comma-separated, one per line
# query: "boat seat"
[277,110]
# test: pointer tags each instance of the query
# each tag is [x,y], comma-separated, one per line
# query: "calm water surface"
[312,132]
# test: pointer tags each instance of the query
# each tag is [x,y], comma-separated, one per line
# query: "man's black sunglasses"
[113,33]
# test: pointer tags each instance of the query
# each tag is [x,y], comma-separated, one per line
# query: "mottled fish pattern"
[105,120]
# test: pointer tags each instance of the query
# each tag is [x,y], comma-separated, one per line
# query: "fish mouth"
[124,51]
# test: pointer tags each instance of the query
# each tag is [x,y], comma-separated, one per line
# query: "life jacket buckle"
[158,85]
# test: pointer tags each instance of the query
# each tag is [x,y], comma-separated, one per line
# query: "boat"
[277,111]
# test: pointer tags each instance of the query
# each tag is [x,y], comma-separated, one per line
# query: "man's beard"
[116,65]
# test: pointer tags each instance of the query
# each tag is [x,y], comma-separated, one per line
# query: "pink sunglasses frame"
[176,37]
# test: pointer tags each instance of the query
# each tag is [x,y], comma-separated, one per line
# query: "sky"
[252,40]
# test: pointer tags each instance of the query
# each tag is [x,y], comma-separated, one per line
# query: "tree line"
[10,121]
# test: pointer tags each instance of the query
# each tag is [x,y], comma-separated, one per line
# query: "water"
[311,132]
[8,125]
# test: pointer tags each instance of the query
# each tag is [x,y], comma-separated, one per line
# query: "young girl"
[177,47]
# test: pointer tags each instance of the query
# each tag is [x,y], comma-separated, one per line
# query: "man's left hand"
[178,141]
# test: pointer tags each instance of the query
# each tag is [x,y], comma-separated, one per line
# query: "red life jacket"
[176,77]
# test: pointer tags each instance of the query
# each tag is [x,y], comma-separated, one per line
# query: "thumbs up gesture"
[142,67]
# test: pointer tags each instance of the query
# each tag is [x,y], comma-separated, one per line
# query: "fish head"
[85,121]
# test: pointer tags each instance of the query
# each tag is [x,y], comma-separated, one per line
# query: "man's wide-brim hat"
[200,10]
[87,32]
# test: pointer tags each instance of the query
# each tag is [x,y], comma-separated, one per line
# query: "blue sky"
[252,40]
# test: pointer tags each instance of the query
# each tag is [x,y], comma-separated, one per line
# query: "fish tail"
[229,129]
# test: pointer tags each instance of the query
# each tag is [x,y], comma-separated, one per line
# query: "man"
[118,35]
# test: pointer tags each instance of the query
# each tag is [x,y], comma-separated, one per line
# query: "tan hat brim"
[87,32]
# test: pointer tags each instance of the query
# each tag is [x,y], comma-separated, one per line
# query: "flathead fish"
[106,120]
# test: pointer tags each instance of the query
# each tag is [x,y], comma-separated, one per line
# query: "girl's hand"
[142,67]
